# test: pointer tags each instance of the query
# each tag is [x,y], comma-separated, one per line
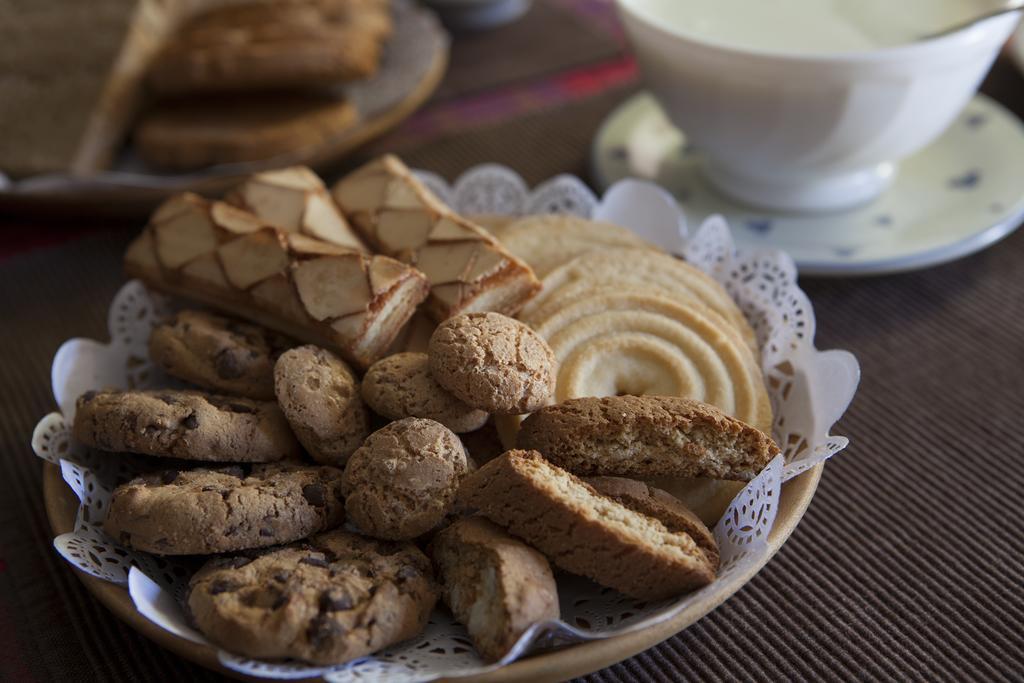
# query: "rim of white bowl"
[970,36]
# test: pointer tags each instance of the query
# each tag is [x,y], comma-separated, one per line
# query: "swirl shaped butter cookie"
[647,345]
[647,268]
[546,241]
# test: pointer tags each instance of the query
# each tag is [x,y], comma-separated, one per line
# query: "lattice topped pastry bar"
[229,258]
[467,267]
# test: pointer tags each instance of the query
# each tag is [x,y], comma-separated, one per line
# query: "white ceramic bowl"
[809,132]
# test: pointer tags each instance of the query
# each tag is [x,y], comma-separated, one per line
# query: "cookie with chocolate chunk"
[184,424]
[337,597]
[217,353]
[202,511]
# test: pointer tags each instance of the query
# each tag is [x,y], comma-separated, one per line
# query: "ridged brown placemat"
[907,565]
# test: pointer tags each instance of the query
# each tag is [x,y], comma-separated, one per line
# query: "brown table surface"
[910,562]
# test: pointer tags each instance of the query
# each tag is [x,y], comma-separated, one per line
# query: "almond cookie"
[399,216]
[197,132]
[401,386]
[402,482]
[336,597]
[585,532]
[230,259]
[493,362]
[260,46]
[546,241]
[295,199]
[189,425]
[202,511]
[663,506]
[218,353]
[494,584]
[320,398]
[647,436]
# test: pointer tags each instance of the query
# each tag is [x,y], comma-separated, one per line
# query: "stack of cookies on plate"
[251,80]
[341,481]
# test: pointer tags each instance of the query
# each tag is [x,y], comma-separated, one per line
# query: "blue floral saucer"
[960,194]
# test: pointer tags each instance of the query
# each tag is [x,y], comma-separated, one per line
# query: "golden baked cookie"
[320,397]
[547,241]
[314,291]
[295,199]
[203,511]
[331,599]
[193,133]
[189,425]
[614,344]
[401,386]
[583,531]
[402,482]
[273,45]
[646,436]
[617,266]
[399,216]
[492,362]
[217,353]
[495,585]
[662,505]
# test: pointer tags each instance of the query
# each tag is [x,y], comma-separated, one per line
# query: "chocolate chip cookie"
[201,511]
[217,353]
[334,598]
[319,395]
[402,482]
[493,363]
[401,386]
[184,424]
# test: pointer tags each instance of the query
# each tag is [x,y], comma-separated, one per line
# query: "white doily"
[809,389]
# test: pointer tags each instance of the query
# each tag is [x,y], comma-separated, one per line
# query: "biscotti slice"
[495,585]
[309,289]
[468,269]
[71,74]
[202,511]
[663,506]
[646,436]
[584,532]
[189,425]
[296,200]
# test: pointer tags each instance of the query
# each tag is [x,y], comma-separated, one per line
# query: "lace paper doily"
[809,389]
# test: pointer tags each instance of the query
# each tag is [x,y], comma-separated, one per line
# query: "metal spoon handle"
[1014,6]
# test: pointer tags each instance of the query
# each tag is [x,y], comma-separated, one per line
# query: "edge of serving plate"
[575,660]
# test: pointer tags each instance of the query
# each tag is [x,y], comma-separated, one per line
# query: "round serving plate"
[412,68]
[811,390]
[570,661]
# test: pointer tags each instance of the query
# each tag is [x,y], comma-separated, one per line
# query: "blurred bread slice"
[202,131]
[271,45]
